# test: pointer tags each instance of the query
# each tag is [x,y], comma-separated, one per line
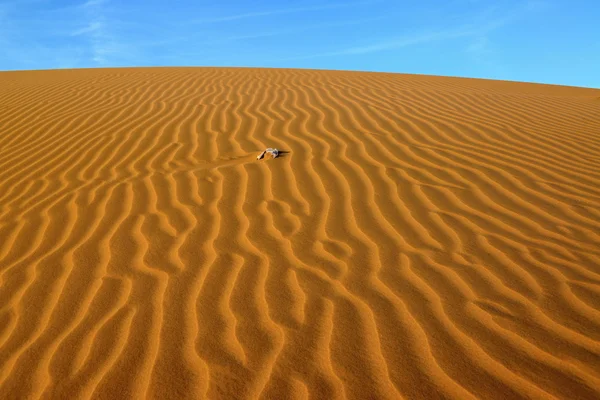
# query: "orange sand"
[424,237]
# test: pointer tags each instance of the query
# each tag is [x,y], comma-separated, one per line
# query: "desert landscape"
[418,237]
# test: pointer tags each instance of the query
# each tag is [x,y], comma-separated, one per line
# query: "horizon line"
[299,68]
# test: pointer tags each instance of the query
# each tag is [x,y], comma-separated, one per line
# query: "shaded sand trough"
[423,237]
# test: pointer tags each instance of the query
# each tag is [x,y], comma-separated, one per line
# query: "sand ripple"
[422,238]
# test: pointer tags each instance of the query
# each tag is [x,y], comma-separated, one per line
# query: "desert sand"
[420,237]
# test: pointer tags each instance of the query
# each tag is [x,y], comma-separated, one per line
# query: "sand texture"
[419,237]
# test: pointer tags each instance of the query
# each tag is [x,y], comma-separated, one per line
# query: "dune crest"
[417,237]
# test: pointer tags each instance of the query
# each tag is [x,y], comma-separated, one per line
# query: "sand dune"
[423,237]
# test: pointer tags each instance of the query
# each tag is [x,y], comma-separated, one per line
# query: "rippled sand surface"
[419,237]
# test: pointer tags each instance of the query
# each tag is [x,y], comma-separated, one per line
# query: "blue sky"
[548,41]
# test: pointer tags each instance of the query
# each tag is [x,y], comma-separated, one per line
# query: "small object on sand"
[272,152]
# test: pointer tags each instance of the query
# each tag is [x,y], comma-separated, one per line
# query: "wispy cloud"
[478,29]
[293,10]
[97,31]
[88,33]
[296,30]
[91,28]
[93,3]
[384,45]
